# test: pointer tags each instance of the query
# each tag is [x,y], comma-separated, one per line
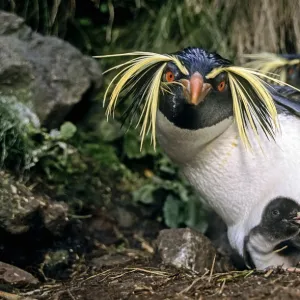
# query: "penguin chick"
[275,241]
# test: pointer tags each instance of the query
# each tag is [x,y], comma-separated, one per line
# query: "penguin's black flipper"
[286,97]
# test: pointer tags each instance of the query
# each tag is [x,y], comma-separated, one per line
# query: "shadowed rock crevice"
[81,109]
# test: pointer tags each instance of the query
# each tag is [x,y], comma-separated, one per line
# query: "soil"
[133,271]
[146,279]
[111,256]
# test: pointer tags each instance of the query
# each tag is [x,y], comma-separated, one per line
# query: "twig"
[234,274]
[58,294]
[80,217]
[44,288]
[9,296]
[269,273]
[159,273]
[212,268]
[145,245]
[99,281]
[222,287]
[70,294]
[96,275]
[121,275]
[194,282]
[249,273]
[205,273]
[190,286]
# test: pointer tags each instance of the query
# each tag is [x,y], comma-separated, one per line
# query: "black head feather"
[198,59]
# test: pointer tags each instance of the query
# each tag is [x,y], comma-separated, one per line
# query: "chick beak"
[196,89]
[297,218]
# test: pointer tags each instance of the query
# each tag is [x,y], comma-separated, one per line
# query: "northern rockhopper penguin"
[275,241]
[233,135]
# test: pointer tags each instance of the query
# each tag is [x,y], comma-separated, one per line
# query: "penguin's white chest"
[233,180]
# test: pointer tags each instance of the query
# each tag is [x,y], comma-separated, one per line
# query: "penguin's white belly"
[233,180]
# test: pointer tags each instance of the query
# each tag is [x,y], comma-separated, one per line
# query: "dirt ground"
[145,279]
[119,263]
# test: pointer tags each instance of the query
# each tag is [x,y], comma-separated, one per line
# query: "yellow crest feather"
[131,70]
[253,104]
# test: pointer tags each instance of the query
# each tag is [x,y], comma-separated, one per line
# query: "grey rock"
[191,250]
[20,207]
[14,276]
[46,74]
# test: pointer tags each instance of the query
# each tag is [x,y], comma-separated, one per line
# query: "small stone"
[191,250]
[14,276]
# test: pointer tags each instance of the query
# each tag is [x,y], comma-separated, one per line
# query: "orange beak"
[196,90]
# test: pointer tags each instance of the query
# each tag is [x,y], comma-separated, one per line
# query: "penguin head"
[193,89]
[280,218]
[196,102]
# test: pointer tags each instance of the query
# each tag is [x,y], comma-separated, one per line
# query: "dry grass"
[233,28]
[262,25]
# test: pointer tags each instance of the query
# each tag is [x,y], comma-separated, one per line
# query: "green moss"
[15,127]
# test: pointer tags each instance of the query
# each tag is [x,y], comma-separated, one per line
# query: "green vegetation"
[15,144]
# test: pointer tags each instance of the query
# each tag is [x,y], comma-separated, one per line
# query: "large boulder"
[44,73]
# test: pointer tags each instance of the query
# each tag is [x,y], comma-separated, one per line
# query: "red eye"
[291,71]
[221,86]
[170,76]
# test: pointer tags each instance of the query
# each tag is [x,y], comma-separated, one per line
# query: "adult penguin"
[220,123]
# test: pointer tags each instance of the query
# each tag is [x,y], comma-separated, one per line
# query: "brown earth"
[146,279]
